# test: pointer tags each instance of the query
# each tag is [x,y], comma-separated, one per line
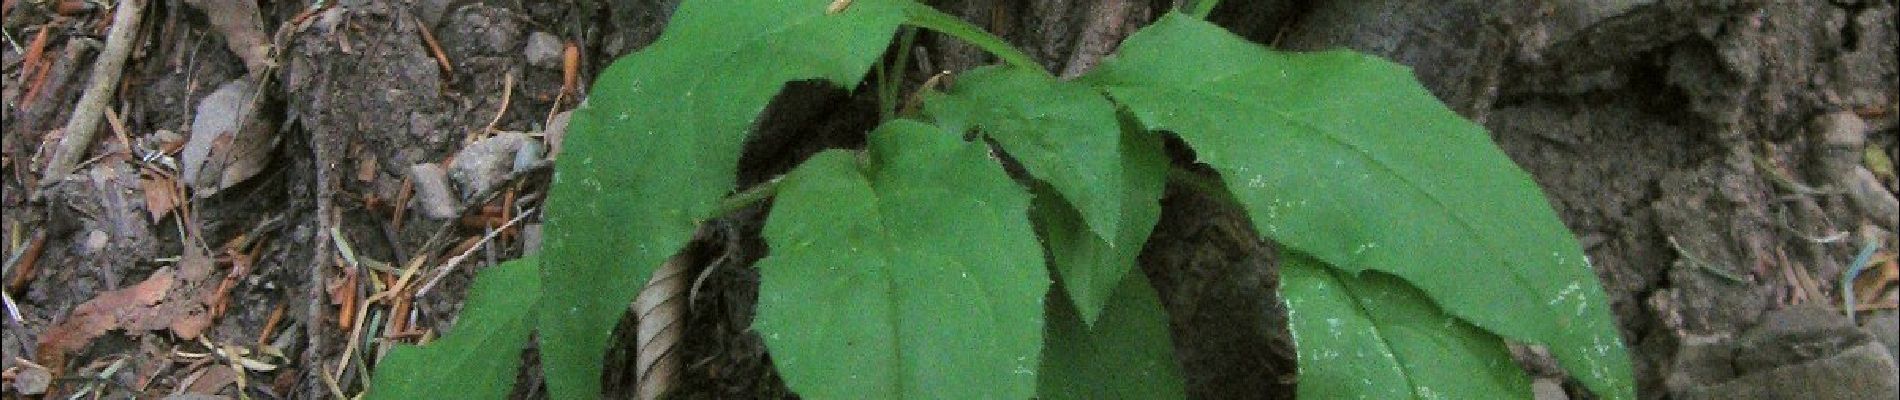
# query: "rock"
[219,152]
[1454,47]
[528,156]
[486,163]
[1699,360]
[543,50]
[1885,329]
[1799,352]
[1839,138]
[1548,389]
[433,195]
[1794,335]
[31,379]
[1864,371]
[1865,190]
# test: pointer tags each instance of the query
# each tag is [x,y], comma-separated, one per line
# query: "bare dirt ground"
[261,175]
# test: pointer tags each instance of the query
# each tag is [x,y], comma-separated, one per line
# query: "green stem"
[923,16]
[1200,8]
[739,201]
[891,80]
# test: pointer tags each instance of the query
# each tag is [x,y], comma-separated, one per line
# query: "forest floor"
[1722,162]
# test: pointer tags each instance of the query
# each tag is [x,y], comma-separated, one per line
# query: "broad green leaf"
[1374,336]
[1064,133]
[1128,356]
[1347,158]
[478,359]
[1067,135]
[656,146]
[914,274]
[1090,268]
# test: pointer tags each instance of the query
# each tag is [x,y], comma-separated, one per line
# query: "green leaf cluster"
[916,266]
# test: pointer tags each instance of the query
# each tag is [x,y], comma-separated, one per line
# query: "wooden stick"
[84,124]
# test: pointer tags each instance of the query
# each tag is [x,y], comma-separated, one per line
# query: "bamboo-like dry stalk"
[661,312]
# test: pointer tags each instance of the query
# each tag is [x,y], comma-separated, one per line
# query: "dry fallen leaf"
[172,298]
[159,196]
[1868,287]
[110,310]
[230,138]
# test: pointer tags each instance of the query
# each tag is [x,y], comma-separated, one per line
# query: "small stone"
[1548,389]
[1866,192]
[433,195]
[1886,329]
[486,163]
[527,156]
[96,241]
[1838,141]
[544,50]
[31,380]
[1802,352]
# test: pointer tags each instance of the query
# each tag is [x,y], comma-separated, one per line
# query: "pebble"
[1548,389]
[433,196]
[485,163]
[544,50]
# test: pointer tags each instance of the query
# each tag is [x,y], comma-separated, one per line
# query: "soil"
[1703,151]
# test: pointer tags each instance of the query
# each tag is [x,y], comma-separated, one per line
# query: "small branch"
[449,266]
[84,124]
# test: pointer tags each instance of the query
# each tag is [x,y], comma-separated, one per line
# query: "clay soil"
[1707,154]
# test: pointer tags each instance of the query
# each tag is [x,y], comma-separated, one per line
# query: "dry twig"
[84,124]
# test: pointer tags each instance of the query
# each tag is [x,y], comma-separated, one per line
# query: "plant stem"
[741,200]
[1200,8]
[923,16]
[890,78]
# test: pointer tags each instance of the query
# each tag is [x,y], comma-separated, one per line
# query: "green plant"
[915,267]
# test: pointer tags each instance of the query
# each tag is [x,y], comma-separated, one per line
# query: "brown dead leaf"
[172,298]
[160,198]
[111,310]
[230,140]
[1871,284]
[366,169]
[215,378]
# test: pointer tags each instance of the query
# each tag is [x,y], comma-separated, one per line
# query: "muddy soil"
[1708,154]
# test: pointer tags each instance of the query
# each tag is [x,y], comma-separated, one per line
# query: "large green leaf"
[914,274]
[1064,133]
[1375,336]
[1067,135]
[1091,268]
[479,358]
[656,146]
[1347,158]
[1127,356]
